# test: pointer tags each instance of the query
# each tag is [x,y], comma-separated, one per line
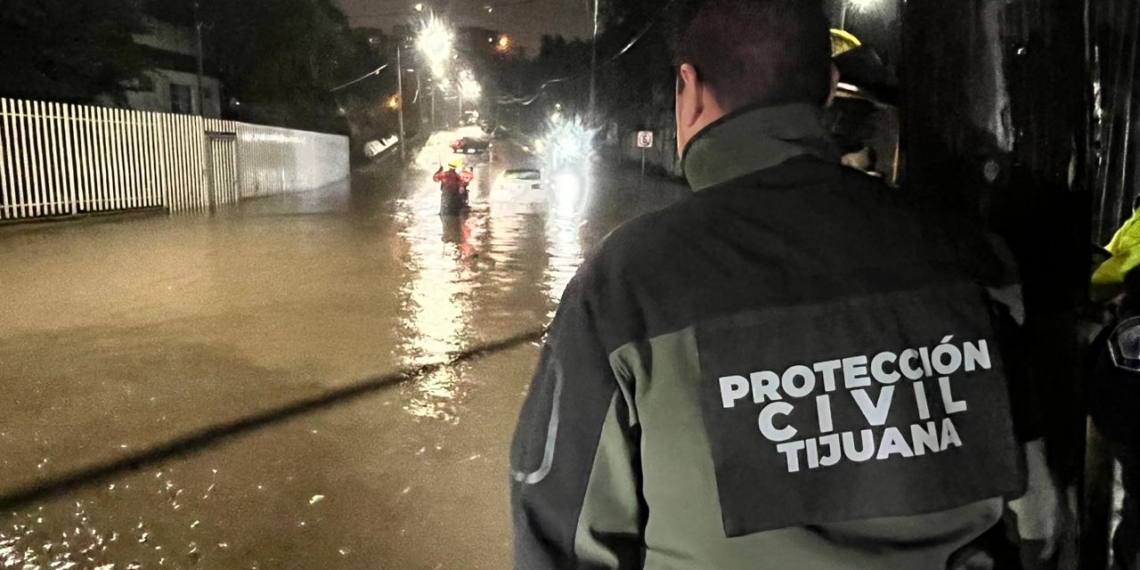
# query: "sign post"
[644,142]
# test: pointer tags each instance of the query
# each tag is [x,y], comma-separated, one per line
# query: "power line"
[362,78]
[526,101]
[478,8]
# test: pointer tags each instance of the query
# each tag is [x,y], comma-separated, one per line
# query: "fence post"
[36,123]
[69,150]
[51,160]
[19,127]
[5,160]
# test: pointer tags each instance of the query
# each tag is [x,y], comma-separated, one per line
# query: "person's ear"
[690,99]
[834,85]
[690,104]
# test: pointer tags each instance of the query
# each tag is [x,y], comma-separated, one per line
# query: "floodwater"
[118,336]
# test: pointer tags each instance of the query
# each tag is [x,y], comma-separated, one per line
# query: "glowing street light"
[435,42]
[393,102]
[419,7]
[469,88]
[568,141]
[504,44]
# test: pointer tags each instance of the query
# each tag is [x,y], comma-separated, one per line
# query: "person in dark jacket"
[794,368]
[1114,381]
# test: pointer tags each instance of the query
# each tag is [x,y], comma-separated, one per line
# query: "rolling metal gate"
[223,168]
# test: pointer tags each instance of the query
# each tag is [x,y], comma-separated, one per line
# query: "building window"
[181,99]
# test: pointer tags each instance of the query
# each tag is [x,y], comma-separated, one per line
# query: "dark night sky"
[525,20]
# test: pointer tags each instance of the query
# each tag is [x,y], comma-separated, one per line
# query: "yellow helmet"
[843,42]
[455,163]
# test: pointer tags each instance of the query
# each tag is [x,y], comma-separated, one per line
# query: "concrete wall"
[275,160]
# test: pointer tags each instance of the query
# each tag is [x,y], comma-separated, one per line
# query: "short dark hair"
[757,52]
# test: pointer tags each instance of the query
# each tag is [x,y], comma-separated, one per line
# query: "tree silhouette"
[73,51]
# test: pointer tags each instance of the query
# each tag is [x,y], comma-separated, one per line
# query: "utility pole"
[433,106]
[198,28]
[594,67]
[400,99]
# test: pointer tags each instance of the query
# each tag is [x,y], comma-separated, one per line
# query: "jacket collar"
[755,139]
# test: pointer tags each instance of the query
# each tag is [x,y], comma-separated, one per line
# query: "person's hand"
[971,558]
[1040,515]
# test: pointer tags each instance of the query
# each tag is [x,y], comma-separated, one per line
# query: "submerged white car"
[533,190]
[521,186]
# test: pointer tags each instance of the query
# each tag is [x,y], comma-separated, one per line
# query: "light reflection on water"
[436,299]
[564,250]
[83,534]
[449,258]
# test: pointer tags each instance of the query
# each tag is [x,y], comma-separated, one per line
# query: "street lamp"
[434,43]
[504,44]
[469,90]
[468,87]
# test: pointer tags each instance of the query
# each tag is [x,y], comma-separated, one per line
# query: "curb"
[30,223]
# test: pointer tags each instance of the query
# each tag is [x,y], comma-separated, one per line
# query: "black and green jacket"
[794,368]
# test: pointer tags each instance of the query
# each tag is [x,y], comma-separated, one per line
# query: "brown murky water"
[119,336]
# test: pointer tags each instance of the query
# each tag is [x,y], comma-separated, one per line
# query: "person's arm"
[575,477]
[438,175]
[1038,515]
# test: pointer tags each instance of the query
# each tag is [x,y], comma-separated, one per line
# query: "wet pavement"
[120,336]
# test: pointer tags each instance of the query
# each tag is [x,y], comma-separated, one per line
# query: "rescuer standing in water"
[453,187]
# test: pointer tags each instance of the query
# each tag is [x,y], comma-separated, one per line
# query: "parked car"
[470,145]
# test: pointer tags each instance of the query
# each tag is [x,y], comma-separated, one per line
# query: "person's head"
[454,164]
[732,54]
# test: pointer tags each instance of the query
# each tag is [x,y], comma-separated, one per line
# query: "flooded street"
[119,336]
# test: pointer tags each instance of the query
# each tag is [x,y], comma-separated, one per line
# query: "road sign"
[644,139]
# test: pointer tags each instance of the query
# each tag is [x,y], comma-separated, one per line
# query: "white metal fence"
[58,159]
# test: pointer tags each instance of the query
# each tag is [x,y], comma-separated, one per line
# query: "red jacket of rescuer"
[449,180]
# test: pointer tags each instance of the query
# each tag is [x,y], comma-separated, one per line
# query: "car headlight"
[568,186]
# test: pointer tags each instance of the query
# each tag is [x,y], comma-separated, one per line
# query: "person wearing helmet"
[466,175]
[453,188]
[1113,388]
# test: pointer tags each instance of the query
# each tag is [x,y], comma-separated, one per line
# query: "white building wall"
[159,99]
